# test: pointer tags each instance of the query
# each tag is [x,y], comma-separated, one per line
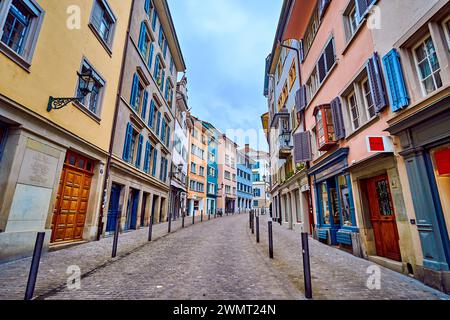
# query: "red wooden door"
[383,218]
[70,210]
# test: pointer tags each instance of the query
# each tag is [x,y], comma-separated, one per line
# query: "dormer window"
[326,137]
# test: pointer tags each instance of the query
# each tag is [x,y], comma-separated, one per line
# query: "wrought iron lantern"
[86,86]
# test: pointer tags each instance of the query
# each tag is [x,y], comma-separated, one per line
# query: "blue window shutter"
[151,120]
[127,144]
[168,137]
[157,66]
[139,151]
[376,83]
[302,51]
[147,150]
[150,56]
[147,6]
[163,130]
[165,48]
[160,38]
[144,105]
[141,37]
[338,118]
[134,90]
[158,123]
[166,93]
[162,80]
[398,93]
[155,18]
[155,161]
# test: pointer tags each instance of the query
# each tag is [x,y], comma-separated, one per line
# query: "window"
[139,98]
[257,192]
[428,67]
[227,175]
[324,128]
[326,61]
[92,101]
[211,188]
[162,37]
[146,47]
[193,168]
[202,171]
[292,75]
[368,100]
[164,169]
[353,20]
[255,203]
[3,135]
[354,110]
[133,142]
[148,6]
[153,115]
[103,21]
[446,26]
[147,157]
[311,31]
[20,25]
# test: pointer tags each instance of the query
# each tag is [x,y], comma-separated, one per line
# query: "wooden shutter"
[155,161]
[144,105]
[139,151]
[302,50]
[150,56]
[300,98]
[163,130]
[134,89]
[155,17]
[160,38]
[162,80]
[127,143]
[322,68]
[146,156]
[323,5]
[330,57]
[156,70]
[376,83]
[151,118]
[302,147]
[397,90]
[338,118]
[158,123]
[168,137]
[141,37]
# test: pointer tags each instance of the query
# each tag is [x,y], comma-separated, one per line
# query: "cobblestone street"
[218,259]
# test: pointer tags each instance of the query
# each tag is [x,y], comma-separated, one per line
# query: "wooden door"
[69,215]
[114,208]
[382,216]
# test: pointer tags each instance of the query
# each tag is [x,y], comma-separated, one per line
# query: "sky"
[225,44]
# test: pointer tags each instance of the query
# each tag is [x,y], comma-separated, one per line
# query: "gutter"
[114,128]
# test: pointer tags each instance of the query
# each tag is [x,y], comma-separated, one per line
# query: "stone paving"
[336,274]
[88,256]
[218,260]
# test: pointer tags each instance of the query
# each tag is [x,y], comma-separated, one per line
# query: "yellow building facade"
[52,162]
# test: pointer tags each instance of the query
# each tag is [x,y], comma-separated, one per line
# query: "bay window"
[324,128]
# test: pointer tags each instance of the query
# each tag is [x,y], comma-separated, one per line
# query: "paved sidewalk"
[88,256]
[337,275]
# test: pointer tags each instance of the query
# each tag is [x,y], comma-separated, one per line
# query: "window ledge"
[15,57]
[103,43]
[354,36]
[86,111]
[363,127]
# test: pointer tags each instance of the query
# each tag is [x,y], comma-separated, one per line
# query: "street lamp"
[86,85]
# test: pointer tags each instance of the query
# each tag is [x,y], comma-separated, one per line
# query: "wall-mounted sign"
[379,144]
[442,158]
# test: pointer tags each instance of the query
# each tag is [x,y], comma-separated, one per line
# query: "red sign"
[376,144]
[443,161]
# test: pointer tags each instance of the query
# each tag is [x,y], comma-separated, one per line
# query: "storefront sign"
[379,144]
[443,161]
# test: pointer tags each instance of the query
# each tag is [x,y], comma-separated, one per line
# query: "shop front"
[335,210]
[425,148]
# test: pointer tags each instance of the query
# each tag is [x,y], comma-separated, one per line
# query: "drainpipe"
[308,166]
[113,131]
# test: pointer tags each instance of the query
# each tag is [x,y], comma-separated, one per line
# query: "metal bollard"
[257,229]
[116,235]
[193,217]
[201,217]
[270,239]
[253,223]
[170,223]
[150,229]
[306,266]
[182,221]
[34,269]
[249,220]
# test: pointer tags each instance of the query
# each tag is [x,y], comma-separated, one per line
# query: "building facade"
[227,178]
[212,168]
[180,153]
[244,181]
[260,179]
[139,183]
[52,161]
[360,139]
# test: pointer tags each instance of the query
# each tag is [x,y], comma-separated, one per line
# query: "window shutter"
[147,6]
[127,144]
[330,57]
[155,161]
[134,89]
[266,78]
[300,98]
[162,80]
[362,8]
[163,130]
[155,17]
[398,93]
[156,70]
[168,137]
[323,5]
[302,147]
[160,38]
[151,119]
[141,37]
[302,51]
[139,151]
[150,56]
[158,123]
[144,105]
[322,68]
[338,118]
[146,156]
[376,83]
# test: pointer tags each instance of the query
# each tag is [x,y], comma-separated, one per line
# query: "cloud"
[225,43]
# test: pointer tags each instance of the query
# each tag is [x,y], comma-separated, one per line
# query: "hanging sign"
[379,144]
